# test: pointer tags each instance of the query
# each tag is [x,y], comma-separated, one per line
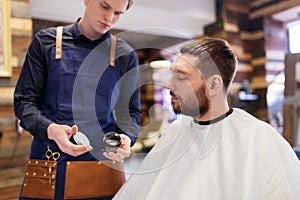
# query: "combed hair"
[215,57]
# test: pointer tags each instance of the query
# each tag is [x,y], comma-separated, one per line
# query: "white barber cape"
[237,158]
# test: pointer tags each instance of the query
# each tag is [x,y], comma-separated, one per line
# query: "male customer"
[89,84]
[213,151]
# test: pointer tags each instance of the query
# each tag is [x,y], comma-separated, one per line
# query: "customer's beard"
[200,107]
[176,108]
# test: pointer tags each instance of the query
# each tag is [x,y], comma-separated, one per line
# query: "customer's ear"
[215,84]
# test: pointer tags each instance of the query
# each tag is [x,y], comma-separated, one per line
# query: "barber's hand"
[122,152]
[61,134]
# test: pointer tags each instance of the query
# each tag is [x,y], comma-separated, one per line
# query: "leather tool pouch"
[40,179]
[91,179]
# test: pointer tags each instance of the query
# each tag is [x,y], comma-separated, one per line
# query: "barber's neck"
[87,30]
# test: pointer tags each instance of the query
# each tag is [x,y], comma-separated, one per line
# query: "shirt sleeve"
[29,91]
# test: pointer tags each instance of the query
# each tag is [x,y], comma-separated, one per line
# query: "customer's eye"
[180,77]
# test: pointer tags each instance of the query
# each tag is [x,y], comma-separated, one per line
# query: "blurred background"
[263,33]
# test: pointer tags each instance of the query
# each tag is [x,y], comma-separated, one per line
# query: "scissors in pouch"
[54,155]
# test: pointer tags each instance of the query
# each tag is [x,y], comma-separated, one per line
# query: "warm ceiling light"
[160,64]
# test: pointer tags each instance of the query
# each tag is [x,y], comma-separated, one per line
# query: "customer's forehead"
[184,63]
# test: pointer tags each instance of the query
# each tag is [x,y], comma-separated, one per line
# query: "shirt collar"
[77,34]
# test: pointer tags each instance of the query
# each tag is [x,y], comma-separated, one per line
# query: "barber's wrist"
[40,130]
[50,130]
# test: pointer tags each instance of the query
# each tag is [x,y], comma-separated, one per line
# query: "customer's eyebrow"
[178,71]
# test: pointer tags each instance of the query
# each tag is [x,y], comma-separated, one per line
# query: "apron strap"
[58,49]
[112,50]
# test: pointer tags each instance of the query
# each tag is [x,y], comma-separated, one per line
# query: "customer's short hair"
[215,57]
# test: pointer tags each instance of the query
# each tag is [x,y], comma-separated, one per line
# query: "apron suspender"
[112,50]
[58,49]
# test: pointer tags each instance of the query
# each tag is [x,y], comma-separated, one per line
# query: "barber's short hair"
[130,2]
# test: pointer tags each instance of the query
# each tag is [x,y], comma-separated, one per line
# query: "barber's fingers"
[125,148]
[125,141]
[124,152]
[119,156]
[71,131]
[61,135]
[77,150]
[73,149]
[114,156]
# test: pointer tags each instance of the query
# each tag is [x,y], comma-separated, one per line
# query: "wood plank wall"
[292,102]
[14,147]
[242,23]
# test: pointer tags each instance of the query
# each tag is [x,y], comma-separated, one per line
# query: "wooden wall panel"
[276,35]
[39,24]
[291,99]
[14,147]
[250,37]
